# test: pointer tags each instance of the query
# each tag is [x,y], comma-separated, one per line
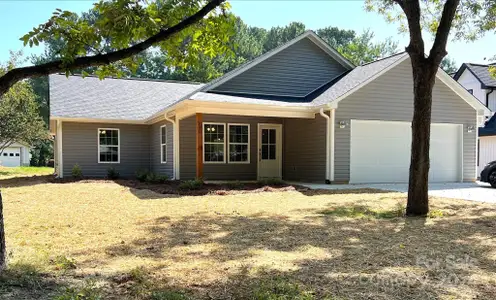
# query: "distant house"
[16,155]
[300,112]
[479,82]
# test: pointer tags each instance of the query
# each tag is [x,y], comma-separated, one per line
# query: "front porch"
[249,147]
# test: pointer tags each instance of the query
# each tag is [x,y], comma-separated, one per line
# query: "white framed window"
[238,143]
[163,144]
[109,146]
[214,143]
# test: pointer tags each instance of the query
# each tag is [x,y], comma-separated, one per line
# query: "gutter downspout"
[328,131]
[174,148]
[487,97]
[332,127]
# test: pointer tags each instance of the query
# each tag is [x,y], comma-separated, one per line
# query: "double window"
[108,145]
[214,143]
[163,144]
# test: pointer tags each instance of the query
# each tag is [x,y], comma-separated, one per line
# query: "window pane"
[213,133]
[272,136]
[265,152]
[272,152]
[214,152]
[17,154]
[109,154]
[265,136]
[164,153]
[238,153]
[163,135]
[11,154]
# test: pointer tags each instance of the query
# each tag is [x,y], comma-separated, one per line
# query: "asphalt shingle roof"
[481,72]
[113,99]
[135,99]
[356,77]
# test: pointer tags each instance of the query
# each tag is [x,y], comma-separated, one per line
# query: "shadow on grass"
[357,257]
[25,281]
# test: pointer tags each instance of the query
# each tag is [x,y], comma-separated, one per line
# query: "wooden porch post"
[199,145]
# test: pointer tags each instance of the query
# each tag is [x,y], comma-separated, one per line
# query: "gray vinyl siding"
[390,98]
[223,171]
[156,164]
[80,146]
[305,149]
[295,71]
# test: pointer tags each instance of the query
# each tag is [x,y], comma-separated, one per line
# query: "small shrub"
[271,182]
[281,289]
[168,295]
[195,184]
[77,172]
[89,291]
[150,177]
[156,178]
[112,173]
[235,185]
[435,214]
[64,263]
[141,175]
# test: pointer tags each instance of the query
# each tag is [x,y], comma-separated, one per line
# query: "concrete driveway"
[469,191]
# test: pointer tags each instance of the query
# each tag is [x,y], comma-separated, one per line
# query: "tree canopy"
[118,30]
[19,117]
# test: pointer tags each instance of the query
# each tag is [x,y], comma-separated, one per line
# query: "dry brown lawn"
[102,239]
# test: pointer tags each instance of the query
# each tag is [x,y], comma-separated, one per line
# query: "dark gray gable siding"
[225,171]
[295,71]
[156,164]
[305,149]
[390,98]
[80,146]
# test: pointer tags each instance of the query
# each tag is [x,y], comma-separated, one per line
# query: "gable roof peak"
[310,34]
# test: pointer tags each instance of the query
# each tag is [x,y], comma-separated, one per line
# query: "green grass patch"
[358,212]
[89,291]
[22,274]
[278,288]
[168,295]
[25,171]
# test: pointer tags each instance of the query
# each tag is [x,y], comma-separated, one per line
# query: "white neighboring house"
[16,155]
[479,82]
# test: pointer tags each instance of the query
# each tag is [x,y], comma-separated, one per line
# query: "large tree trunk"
[3,251]
[424,76]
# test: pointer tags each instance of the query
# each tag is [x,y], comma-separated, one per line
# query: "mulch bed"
[173,187]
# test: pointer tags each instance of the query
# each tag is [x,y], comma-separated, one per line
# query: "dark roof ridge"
[137,79]
[383,58]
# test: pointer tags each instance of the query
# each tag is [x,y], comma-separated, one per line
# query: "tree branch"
[17,74]
[438,50]
[412,11]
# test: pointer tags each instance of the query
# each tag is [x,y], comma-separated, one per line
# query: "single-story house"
[15,155]
[299,112]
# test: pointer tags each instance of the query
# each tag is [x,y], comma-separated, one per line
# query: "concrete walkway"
[478,191]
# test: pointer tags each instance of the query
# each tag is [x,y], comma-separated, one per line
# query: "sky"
[18,17]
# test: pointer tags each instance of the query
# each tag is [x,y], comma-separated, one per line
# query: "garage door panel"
[380,152]
[11,157]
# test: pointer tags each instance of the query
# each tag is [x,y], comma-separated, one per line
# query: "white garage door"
[11,157]
[380,152]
